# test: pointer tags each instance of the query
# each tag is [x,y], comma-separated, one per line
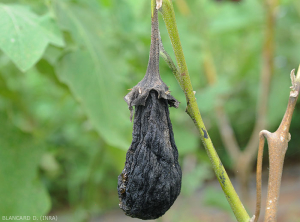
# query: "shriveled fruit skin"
[151,179]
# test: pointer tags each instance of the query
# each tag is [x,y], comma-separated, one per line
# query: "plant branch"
[262,134]
[193,111]
[278,144]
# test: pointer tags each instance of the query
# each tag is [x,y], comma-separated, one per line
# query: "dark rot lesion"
[205,133]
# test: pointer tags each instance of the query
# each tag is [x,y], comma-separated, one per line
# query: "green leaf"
[92,78]
[21,190]
[51,30]
[25,36]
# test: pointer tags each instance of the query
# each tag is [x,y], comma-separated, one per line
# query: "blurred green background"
[65,66]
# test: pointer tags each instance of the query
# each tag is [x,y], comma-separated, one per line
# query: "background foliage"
[65,66]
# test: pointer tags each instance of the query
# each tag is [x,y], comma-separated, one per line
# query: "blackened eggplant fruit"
[151,179]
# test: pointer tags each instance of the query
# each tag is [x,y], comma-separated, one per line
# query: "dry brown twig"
[278,144]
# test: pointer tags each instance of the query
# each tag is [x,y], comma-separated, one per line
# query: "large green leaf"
[21,191]
[91,76]
[25,36]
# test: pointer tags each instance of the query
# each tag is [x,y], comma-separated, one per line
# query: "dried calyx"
[151,179]
[152,81]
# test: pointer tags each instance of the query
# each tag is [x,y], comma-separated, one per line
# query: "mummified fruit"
[151,179]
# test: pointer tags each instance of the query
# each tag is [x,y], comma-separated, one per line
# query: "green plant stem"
[193,111]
